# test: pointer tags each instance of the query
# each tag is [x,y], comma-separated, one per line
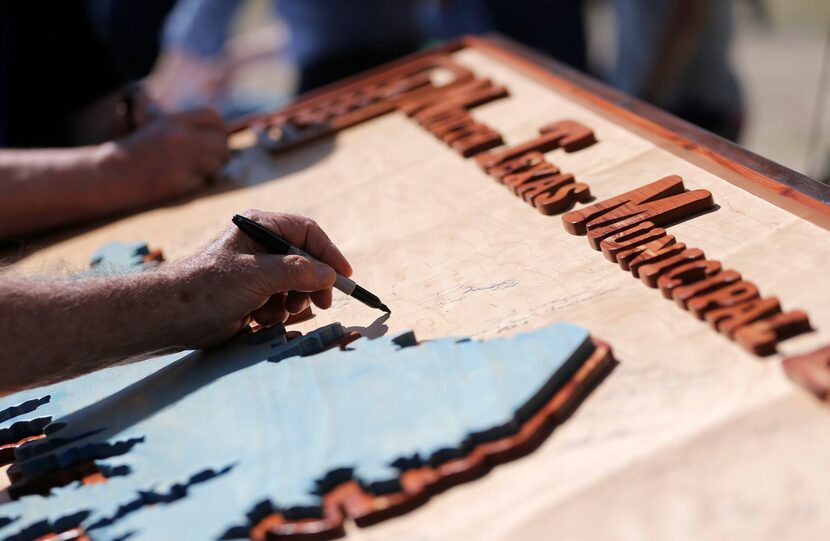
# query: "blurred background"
[778,104]
[780,53]
[753,71]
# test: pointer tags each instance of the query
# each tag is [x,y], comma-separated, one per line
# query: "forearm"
[57,329]
[47,188]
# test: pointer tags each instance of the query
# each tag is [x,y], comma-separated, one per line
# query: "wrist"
[194,292]
[111,173]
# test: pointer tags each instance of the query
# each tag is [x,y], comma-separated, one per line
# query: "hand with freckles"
[65,328]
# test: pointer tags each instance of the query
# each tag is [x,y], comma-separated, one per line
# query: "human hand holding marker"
[278,245]
[195,303]
[236,279]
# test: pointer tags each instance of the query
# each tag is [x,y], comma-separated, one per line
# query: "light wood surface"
[689,438]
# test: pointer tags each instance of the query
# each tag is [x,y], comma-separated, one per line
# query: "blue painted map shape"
[210,436]
[120,258]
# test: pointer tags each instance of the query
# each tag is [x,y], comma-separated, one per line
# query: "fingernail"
[325,275]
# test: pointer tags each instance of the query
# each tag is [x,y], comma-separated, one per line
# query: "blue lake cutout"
[207,436]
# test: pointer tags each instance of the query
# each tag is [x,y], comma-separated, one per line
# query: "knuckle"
[252,213]
[298,270]
[175,136]
[296,264]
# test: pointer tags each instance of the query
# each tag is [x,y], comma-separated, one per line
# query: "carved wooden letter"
[416,104]
[687,274]
[660,203]
[576,222]
[662,212]
[458,120]
[812,371]
[724,297]
[650,273]
[406,84]
[630,238]
[547,185]
[564,198]
[568,132]
[762,337]
[625,257]
[458,98]
[575,136]
[682,294]
[522,163]
[479,140]
[729,320]
[654,253]
[539,171]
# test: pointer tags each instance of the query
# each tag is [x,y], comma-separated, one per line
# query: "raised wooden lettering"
[636,236]
[661,212]
[480,140]
[687,274]
[728,320]
[457,99]
[458,120]
[725,297]
[517,165]
[683,294]
[625,257]
[649,274]
[654,252]
[416,104]
[811,371]
[470,128]
[762,337]
[547,185]
[575,136]
[539,171]
[547,141]
[404,85]
[564,198]
[576,222]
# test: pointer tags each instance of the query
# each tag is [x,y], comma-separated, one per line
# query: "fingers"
[209,151]
[278,309]
[322,298]
[304,233]
[296,302]
[296,318]
[293,273]
[190,183]
[201,119]
[272,312]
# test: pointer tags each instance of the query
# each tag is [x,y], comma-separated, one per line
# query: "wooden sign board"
[692,436]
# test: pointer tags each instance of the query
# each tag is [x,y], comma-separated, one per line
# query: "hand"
[234,280]
[167,157]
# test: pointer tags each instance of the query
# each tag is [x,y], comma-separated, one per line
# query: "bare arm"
[170,156]
[56,329]
[46,188]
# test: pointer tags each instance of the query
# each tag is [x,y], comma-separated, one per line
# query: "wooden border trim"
[764,178]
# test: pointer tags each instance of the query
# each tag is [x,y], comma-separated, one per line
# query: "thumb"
[295,273]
